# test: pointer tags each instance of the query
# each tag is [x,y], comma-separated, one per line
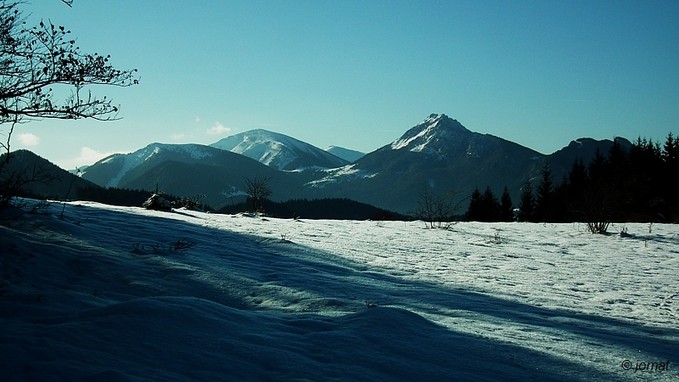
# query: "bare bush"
[437,211]
[599,227]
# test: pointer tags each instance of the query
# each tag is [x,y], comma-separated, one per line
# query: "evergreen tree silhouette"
[527,202]
[543,203]
[506,206]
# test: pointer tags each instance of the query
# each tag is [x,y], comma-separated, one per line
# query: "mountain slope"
[42,178]
[278,150]
[439,154]
[189,170]
[583,149]
[110,171]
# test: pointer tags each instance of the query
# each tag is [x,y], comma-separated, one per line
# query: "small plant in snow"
[497,238]
[156,248]
[600,227]
[624,233]
[182,244]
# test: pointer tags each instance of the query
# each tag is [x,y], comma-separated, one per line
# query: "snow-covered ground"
[124,294]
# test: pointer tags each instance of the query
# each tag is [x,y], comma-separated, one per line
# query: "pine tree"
[506,206]
[474,210]
[576,191]
[671,150]
[543,203]
[670,170]
[595,207]
[527,202]
[491,207]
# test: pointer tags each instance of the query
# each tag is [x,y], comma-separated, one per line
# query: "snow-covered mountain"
[279,151]
[439,154]
[189,170]
[437,135]
[110,171]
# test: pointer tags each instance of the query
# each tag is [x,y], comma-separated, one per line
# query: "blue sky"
[358,74]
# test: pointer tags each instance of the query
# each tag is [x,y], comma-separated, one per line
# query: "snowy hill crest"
[278,150]
[124,163]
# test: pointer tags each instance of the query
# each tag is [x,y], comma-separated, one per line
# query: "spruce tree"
[543,203]
[670,170]
[491,207]
[527,202]
[576,191]
[474,210]
[506,206]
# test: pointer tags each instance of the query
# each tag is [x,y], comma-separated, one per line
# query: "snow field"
[115,293]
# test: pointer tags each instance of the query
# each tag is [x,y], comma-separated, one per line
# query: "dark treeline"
[635,184]
[135,198]
[114,196]
[330,208]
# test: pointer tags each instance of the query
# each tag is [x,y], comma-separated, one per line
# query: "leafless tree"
[43,74]
[258,191]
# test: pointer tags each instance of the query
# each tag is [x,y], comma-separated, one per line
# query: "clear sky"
[358,74]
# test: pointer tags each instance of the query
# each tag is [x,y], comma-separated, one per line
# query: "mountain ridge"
[278,150]
[439,154]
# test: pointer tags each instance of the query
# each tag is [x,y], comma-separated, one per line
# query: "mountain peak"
[278,150]
[427,136]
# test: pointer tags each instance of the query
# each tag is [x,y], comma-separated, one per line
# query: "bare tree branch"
[43,74]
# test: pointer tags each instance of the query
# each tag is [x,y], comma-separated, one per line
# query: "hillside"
[122,294]
[36,176]
[439,154]
[216,175]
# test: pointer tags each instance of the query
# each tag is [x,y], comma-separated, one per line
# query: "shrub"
[600,227]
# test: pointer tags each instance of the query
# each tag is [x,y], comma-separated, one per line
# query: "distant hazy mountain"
[279,151]
[346,154]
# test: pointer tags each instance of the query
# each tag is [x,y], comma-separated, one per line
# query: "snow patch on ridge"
[132,161]
[426,133]
[340,174]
